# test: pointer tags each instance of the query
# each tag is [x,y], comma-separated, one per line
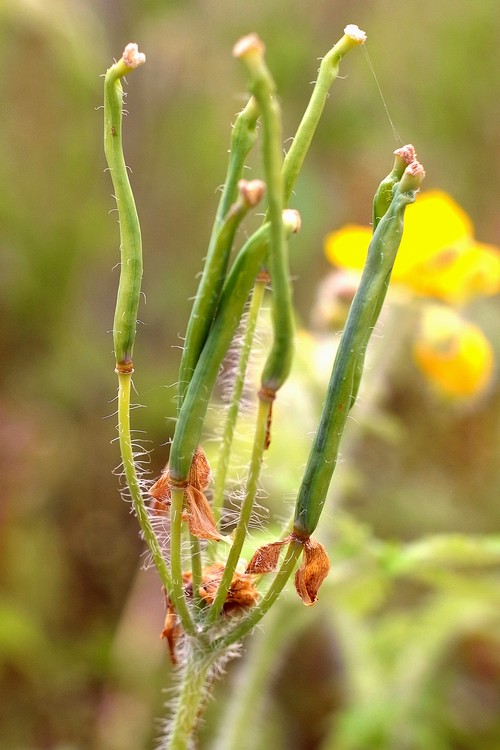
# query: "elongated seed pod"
[232,302]
[327,73]
[250,50]
[344,380]
[230,213]
[129,289]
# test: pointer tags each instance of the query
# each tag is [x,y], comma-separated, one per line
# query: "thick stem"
[190,702]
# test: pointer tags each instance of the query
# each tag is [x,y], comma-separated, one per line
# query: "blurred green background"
[81,663]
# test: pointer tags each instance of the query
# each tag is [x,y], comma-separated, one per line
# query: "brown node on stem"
[197,512]
[311,573]
[241,595]
[124,368]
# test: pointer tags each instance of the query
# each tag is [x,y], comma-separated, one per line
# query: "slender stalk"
[196,570]
[127,454]
[176,591]
[237,390]
[240,533]
[327,73]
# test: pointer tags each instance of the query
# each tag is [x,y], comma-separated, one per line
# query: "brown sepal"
[266,558]
[312,572]
[199,515]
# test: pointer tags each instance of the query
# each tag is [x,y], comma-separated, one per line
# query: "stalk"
[240,533]
[190,699]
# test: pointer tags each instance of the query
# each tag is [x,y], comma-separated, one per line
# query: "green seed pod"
[231,305]
[129,289]
[346,373]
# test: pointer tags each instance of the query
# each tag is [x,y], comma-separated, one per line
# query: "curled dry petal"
[242,593]
[160,491]
[312,572]
[199,473]
[265,559]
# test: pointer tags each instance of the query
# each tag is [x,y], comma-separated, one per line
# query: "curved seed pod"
[327,73]
[212,279]
[127,302]
[250,50]
[346,374]
[231,305]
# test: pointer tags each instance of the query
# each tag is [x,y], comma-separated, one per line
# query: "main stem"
[191,698]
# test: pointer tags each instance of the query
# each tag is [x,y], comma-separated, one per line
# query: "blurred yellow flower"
[454,354]
[438,256]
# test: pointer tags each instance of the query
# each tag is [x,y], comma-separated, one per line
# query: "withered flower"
[312,572]
[241,595]
[198,512]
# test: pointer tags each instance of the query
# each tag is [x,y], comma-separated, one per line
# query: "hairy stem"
[237,390]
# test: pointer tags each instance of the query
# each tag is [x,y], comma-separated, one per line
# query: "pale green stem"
[196,570]
[195,672]
[127,454]
[233,410]
[240,533]
[176,591]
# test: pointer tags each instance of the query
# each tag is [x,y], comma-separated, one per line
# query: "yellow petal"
[453,354]
[347,248]
[433,258]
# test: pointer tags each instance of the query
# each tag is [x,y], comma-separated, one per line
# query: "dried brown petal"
[242,593]
[172,630]
[199,473]
[265,559]
[200,517]
[312,572]
[161,489]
